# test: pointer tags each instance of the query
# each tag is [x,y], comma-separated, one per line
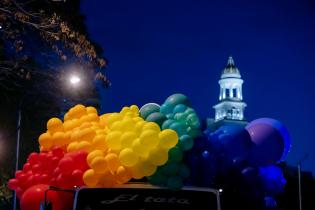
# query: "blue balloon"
[273,179]
[271,141]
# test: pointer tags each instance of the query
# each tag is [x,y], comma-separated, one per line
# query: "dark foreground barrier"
[146,197]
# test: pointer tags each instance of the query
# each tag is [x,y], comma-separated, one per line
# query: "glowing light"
[220,190]
[74,79]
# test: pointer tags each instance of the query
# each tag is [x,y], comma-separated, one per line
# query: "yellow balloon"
[136,172]
[99,165]
[128,157]
[94,154]
[124,110]
[113,140]
[91,109]
[127,124]
[140,149]
[112,161]
[99,142]
[123,175]
[127,139]
[73,146]
[158,156]
[84,146]
[45,140]
[134,109]
[129,115]
[151,126]
[58,139]
[147,168]
[116,126]
[90,178]
[54,125]
[139,126]
[138,119]
[113,118]
[168,139]
[149,138]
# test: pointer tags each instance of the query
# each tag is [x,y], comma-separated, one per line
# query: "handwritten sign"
[143,197]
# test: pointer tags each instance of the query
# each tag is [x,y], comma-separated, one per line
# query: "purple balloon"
[271,141]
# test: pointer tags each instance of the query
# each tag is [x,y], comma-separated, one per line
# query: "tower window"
[227,93]
[234,92]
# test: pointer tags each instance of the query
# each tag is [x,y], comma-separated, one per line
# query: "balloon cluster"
[52,168]
[242,154]
[175,114]
[134,149]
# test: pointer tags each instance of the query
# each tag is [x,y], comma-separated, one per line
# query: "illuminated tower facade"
[231,105]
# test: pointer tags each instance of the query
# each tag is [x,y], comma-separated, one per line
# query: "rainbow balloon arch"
[163,145]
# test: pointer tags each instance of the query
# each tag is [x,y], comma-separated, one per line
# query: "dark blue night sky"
[157,48]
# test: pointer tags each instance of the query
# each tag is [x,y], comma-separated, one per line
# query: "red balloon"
[45,178]
[66,165]
[36,168]
[33,158]
[19,192]
[34,196]
[57,152]
[30,181]
[21,177]
[56,172]
[77,178]
[13,184]
[18,173]
[27,167]
[55,161]
[37,179]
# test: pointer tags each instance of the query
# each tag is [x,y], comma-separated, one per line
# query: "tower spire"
[231,105]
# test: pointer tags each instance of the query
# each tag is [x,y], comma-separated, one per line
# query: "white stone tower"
[231,105]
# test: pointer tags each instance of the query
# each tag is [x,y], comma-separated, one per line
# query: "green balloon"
[194,132]
[170,169]
[186,142]
[175,183]
[180,116]
[166,124]
[175,155]
[190,111]
[166,109]
[183,171]
[158,179]
[193,120]
[156,117]
[148,109]
[179,127]
[176,99]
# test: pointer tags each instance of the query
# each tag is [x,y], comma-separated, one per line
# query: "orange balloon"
[112,161]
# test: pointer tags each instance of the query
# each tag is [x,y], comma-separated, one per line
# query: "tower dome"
[230,70]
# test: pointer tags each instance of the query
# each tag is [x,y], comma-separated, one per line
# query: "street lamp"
[74,79]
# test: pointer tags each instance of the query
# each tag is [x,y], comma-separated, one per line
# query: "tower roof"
[230,70]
